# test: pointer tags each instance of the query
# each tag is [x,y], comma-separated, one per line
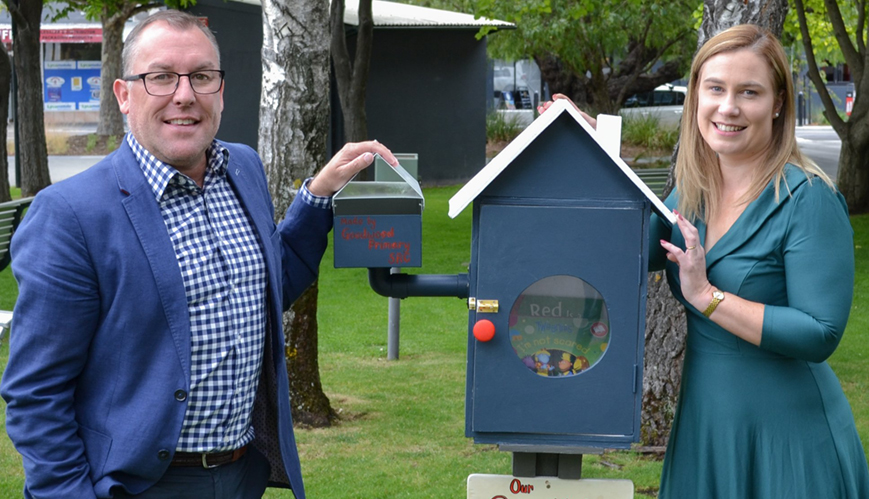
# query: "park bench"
[655,178]
[11,214]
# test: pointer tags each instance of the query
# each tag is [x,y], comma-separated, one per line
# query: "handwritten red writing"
[359,221]
[518,487]
[348,233]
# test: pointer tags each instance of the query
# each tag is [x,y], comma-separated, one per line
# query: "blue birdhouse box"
[557,289]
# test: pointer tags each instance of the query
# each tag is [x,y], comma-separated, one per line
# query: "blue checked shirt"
[225,278]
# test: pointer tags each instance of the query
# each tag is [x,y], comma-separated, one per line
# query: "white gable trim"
[499,163]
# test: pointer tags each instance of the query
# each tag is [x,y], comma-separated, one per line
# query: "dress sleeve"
[818,249]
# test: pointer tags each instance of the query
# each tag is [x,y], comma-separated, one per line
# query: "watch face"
[718,294]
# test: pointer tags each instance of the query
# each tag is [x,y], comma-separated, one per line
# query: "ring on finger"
[689,248]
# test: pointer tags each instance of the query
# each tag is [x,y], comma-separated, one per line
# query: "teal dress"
[770,422]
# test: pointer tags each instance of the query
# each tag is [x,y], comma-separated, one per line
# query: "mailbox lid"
[378,198]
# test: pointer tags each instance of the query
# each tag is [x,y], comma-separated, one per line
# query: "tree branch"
[364,40]
[340,54]
[852,56]
[815,74]
[861,25]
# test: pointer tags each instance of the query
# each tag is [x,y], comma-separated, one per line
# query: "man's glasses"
[163,83]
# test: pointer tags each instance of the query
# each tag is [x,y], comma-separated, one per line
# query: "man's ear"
[122,94]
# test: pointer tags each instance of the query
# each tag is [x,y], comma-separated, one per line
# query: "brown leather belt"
[207,460]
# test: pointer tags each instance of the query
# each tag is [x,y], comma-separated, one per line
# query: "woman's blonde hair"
[698,177]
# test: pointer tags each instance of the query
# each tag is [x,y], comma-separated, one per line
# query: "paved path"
[60,167]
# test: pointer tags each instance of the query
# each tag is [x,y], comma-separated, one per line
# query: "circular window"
[559,326]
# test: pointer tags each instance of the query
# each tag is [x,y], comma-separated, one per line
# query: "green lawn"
[402,433]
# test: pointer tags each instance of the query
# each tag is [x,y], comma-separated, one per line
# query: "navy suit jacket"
[99,359]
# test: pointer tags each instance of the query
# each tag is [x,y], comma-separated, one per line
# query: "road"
[822,145]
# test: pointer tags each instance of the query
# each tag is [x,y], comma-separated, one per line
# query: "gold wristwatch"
[717,296]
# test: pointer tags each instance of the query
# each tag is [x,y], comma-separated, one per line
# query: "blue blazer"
[99,361]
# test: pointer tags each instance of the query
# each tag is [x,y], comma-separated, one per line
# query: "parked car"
[665,103]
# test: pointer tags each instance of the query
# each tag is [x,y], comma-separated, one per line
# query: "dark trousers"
[244,479]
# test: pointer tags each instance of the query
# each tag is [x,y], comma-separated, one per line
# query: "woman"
[762,258]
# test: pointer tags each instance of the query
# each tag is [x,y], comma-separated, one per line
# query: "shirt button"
[180,395]
[163,454]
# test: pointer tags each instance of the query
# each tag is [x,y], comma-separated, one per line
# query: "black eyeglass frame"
[142,76]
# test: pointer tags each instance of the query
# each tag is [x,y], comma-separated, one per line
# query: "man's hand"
[352,158]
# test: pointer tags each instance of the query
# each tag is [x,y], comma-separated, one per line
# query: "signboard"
[545,487]
[849,103]
[60,35]
[71,85]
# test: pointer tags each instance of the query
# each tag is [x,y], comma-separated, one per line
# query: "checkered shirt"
[225,278]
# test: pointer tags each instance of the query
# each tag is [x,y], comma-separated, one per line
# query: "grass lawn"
[402,433]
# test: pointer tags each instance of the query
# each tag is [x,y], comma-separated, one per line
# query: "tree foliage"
[599,52]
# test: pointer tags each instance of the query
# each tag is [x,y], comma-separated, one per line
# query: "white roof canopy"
[403,15]
[499,163]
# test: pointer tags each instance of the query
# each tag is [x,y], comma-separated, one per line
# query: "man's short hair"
[177,19]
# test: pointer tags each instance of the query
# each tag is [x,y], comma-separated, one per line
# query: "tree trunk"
[294,124]
[719,15]
[111,121]
[352,78]
[853,175]
[26,18]
[665,318]
[5,84]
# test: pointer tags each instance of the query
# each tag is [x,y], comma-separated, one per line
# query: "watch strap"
[717,296]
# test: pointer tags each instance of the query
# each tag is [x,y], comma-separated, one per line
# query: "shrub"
[499,128]
[644,131]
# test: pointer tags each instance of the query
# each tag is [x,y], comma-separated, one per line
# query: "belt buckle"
[205,462]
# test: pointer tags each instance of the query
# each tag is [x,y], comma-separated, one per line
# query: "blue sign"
[72,85]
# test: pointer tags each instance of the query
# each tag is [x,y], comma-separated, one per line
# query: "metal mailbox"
[379,224]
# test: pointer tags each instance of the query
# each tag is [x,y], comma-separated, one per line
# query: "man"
[147,358]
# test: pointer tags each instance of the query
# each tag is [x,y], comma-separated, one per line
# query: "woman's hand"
[543,107]
[696,287]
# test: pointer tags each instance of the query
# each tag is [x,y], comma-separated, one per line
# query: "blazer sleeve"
[55,317]
[819,272]
[304,233]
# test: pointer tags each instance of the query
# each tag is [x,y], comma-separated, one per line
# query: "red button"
[484,330]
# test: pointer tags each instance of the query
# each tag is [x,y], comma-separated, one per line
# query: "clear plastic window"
[559,326]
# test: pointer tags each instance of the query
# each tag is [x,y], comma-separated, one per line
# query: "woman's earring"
[776,114]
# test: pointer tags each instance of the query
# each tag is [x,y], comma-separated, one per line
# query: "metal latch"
[483,306]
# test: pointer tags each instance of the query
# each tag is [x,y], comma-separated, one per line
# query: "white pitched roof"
[499,163]
[403,15]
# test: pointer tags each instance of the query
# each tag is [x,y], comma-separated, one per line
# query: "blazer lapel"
[147,221]
[252,197]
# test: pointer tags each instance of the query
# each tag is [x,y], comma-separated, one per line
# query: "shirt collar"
[159,174]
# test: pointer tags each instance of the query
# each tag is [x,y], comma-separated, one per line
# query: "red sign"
[849,103]
[60,35]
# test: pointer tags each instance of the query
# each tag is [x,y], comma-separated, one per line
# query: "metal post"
[801,109]
[15,140]
[394,324]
